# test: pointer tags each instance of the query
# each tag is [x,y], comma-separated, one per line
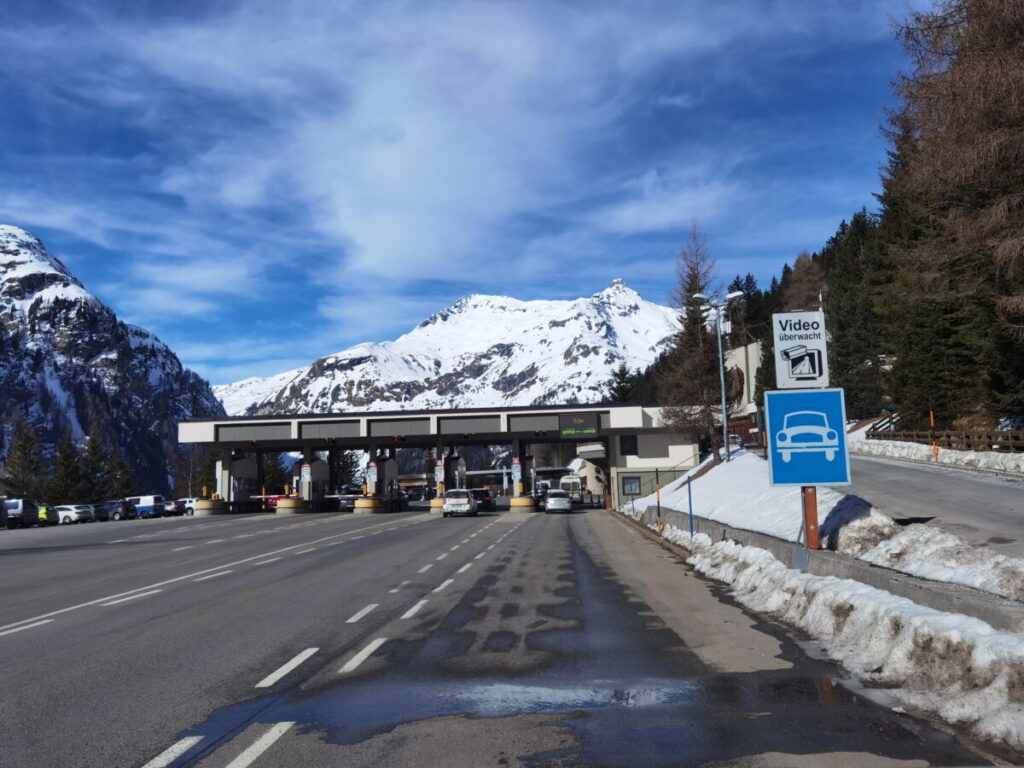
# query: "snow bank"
[894,449]
[738,494]
[948,665]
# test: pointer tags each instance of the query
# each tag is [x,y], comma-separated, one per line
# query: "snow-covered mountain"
[68,363]
[482,351]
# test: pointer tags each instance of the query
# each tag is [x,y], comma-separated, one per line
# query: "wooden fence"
[1009,442]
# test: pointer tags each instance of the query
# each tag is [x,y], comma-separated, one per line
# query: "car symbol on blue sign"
[807,437]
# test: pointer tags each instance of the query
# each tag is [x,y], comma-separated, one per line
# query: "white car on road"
[459,501]
[806,432]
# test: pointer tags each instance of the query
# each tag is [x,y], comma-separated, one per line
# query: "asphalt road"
[407,640]
[983,509]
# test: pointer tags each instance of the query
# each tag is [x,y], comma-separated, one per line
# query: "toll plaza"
[628,442]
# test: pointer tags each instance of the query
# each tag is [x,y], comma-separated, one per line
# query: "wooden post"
[809,496]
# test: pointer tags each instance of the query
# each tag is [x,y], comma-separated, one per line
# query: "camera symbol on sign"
[804,363]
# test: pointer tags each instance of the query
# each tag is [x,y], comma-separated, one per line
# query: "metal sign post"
[517,476]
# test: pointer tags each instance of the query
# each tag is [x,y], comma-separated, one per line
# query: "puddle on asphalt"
[622,684]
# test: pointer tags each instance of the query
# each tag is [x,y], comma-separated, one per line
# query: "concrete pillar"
[306,476]
[223,474]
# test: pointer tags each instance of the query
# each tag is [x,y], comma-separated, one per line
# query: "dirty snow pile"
[738,494]
[949,665]
[894,449]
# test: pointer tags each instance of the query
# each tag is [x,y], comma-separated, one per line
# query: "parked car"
[148,506]
[100,513]
[120,509]
[557,500]
[173,508]
[75,513]
[484,500]
[189,504]
[459,501]
[46,516]
[21,513]
[417,494]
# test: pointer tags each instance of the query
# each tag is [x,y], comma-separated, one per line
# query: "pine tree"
[24,473]
[691,389]
[619,388]
[121,482]
[208,474]
[94,466]
[348,467]
[66,480]
[273,473]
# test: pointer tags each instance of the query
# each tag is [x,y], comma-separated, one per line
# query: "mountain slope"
[67,362]
[482,351]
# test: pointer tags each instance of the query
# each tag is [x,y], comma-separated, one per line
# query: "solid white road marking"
[116,541]
[356,538]
[425,568]
[444,584]
[465,568]
[442,556]
[412,611]
[304,551]
[173,752]
[356,617]
[421,518]
[133,597]
[283,670]
[213,541]
[178,549]
[213,575]
[398,589]
[271,560]
[261,745]
[363,655]
[27,626]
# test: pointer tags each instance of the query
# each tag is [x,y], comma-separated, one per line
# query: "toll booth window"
[627,445]
[631,486]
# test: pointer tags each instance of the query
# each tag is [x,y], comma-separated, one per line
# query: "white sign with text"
[801,359]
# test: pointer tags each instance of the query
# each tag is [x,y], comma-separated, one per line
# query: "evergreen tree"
[348,467]
[121,482]
[66,480]
[24,474]
[691,389]
[275,478]
[208,475]
[94,467]
[619,388]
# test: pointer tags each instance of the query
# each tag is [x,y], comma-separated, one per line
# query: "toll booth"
[388,484]
[454,471]
[311,483]
[244,478]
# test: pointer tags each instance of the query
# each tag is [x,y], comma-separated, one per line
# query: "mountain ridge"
[481,351]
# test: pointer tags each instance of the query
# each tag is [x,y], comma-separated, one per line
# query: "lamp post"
[717,308]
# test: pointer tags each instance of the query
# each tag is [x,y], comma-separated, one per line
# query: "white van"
[21,513]
[148,506]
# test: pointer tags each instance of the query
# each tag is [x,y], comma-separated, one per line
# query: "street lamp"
[717,307]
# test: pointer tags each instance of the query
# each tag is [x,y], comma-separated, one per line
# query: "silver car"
[459,502]
[557,501]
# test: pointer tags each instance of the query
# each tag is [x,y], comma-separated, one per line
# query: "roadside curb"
[999,612]
[941,465]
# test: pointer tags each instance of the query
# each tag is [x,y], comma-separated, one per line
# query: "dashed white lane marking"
[271,560]
[417,518]
[465,568]
[352,664]
[412,611]
[452,549]
[441,556]
[27,626]
[490,548]
[179,549]
[214,541]
[304,551]
[261,745]
[244,536]
[213,575]
[398,589]
[173,752]
[284,669]
[480,555]
[357,616]
[443,584]
[116,541]
[425,568]
[464,541]
[133,597]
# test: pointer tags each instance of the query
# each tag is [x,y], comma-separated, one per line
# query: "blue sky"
[264,183]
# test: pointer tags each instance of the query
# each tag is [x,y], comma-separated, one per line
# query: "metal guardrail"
[1011,441]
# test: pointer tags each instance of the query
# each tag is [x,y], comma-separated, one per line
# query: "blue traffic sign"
[807,437]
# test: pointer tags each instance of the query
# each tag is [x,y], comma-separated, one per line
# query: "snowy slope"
[68,363]
[482,351]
